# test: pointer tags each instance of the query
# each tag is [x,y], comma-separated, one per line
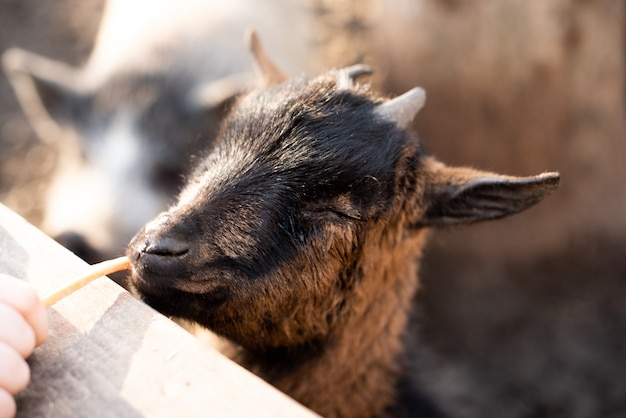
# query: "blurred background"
[524,317]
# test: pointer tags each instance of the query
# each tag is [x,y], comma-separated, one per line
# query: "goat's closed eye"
[342,208]
[331,215]
[348,213]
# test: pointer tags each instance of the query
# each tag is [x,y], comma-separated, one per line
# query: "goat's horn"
[272,75]
[402,109]
[347,76]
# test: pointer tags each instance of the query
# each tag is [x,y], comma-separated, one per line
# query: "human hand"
[23,326]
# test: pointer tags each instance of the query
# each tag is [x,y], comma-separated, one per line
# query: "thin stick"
[95,271]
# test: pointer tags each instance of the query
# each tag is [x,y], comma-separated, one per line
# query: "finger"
[15,331]
[7,404]
[14,371]
[23,298]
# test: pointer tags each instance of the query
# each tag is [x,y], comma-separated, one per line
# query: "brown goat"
[299,238]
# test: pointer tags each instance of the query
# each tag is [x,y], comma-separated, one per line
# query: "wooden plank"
[109,355]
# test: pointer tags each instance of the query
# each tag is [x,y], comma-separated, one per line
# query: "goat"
[298,238]
[150,94]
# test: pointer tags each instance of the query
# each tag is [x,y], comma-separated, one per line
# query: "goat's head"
[265,243]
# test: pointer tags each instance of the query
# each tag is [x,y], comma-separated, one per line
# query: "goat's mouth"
[165,273]
[171,288]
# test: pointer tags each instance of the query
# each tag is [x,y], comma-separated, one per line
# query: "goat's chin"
[179,303]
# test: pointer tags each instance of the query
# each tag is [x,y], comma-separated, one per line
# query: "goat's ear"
[464,195]
[272,75]
[215,93]
[45,88]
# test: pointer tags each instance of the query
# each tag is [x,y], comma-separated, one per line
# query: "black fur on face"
[263,245]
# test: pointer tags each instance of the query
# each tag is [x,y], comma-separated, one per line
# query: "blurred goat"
[150,95]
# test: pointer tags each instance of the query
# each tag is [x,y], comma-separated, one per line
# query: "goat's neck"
[355,372]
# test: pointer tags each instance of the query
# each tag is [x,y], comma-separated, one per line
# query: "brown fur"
[363,358]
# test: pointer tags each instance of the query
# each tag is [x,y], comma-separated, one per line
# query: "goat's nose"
[165,246]
[161,238]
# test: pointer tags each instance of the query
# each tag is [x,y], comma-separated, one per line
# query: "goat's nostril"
[166,247]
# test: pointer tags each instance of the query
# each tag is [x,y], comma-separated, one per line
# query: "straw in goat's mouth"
[95,271]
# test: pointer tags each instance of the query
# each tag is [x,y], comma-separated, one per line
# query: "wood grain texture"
[109,355]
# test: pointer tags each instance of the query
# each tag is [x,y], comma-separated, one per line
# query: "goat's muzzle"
[158,252]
